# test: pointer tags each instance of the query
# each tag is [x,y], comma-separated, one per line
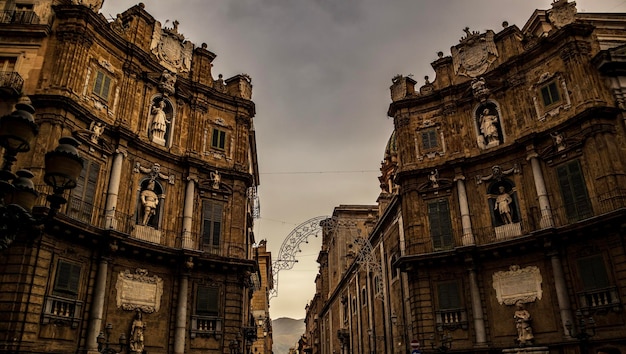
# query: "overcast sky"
[321,71]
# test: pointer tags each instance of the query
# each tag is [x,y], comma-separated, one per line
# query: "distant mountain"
[286,333]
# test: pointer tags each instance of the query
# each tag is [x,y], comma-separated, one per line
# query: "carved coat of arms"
[171,48]
[562,13]
[474,54]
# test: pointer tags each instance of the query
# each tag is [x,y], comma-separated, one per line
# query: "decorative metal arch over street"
[314,227]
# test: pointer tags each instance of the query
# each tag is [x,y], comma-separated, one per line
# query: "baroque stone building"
[500,224]
[156,239]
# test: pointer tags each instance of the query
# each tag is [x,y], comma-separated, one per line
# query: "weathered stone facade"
[160,225]
[503,196]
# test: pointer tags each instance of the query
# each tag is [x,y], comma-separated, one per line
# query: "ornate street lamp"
[583,330]
[17,192]
[103,341]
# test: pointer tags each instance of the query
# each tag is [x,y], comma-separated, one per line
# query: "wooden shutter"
[207,301]
[440,224]
[67,278]
[593,272]
[574,191]
[448,295]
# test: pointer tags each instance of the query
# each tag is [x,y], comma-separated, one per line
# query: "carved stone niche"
[517,284]
[139,291]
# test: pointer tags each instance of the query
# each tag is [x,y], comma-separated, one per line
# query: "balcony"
[62,311]
[599,300]
[28,17]
[11,82]
[533,220]
[452,318]
[206,326]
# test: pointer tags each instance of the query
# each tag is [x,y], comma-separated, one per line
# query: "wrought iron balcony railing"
[27,17]
[12,81]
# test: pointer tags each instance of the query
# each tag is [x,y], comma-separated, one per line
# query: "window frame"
[548,91]
[82,206]
[72,289]
[431,143]
[436,224]
[212,210]
[574,194]
[102,81]
[219,138]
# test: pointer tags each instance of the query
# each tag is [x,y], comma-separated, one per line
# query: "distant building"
[156,238]
[261,303]
[503,198]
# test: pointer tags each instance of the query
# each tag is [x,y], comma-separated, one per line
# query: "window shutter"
[593,273]
[574,191]
[67,278]
[97,86]
[448,295]
[206,222]
[217,223]
[440,224]
[106,86]
[207,300]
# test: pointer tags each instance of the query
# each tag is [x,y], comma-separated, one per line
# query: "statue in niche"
[503,205]
[136,334]
[158,126]
[522,323]
[489,127]
[149,201]
[216,179]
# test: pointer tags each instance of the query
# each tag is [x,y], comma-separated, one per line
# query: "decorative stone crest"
[562,13]
[154,171]
[171,48]
[167,82]
[139,291]
[497,173]
[479,89]
[517,284]
[474,54]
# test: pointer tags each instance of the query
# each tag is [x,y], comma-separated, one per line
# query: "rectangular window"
[218,140]
[593,272]
[550,93]
[102,85]
[67,279]
[7,64]
[82,201]
[448,295]
[574,191]
[440,225]
[429,139]
[211,223]
[207,301]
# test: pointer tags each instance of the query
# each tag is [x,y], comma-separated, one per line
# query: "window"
[363,297]
[207,301]
[574,192]
[429,139]
[593,272]
[102,85]
[440,225]
[81,203]
[206,321]
[218,140]
[354,305]
[448,295]
[550,93]
[7,64]
[67,279]
[62,307]
[450,311]
[211,223]
[598,292]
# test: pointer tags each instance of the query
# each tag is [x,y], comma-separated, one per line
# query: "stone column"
[97,306]
[181,315]
[561,292]
[544,204]
[466,222]
[477,309]
[114,188]
[188,212]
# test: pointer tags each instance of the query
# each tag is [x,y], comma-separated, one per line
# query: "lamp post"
[583,330]
[103,341]
[17,192]
[445,341]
